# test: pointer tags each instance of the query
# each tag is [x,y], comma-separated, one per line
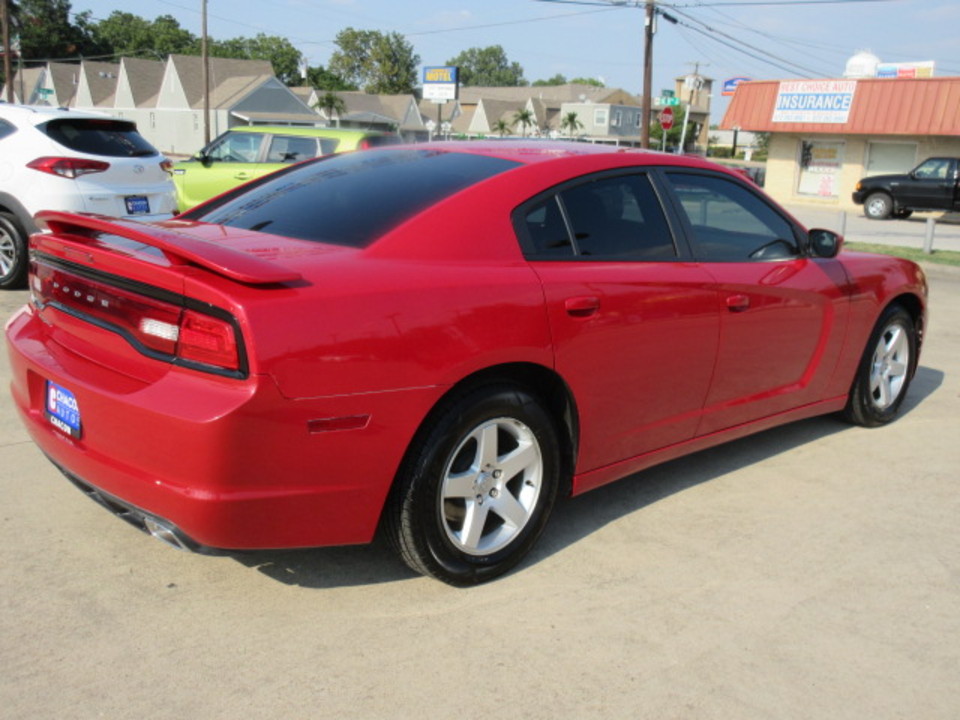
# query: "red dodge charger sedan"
[438,341]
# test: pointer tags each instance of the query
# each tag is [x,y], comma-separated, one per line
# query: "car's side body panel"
[782,330]
[348,350]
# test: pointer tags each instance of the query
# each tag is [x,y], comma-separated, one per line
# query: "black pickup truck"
[932,185]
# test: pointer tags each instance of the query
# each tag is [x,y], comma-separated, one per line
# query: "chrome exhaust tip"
[164,532]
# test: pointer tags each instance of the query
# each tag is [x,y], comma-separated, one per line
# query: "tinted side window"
[372,141]
[6,129]
[616,217]
[290,148]
[236,147]
[113,138]
[729,222]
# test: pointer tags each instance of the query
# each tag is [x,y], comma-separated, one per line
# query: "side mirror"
[202,157]
[824,243]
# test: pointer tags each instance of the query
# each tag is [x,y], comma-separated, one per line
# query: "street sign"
[667,101]
[666,118]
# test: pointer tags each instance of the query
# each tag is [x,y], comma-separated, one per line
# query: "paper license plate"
[61,409]
[137,205]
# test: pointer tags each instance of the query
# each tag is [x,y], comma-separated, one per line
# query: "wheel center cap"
[488,481]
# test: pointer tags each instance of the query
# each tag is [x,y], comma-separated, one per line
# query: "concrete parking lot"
[812,571]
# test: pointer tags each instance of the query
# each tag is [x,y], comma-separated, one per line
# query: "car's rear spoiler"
[223,260]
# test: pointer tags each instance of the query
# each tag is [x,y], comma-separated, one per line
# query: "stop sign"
[666,118]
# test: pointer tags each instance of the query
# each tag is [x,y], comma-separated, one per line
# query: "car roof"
[529,152]
[305,131]
[37,114]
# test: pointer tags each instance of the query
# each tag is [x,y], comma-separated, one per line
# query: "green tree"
[763,142]
[571,123]
[332,104]
[501,127]
[47,33]
[278,51]
[523,118]
[587,81]
[378,62]
[128,34]
[321,79]
[557,79]
[488,67]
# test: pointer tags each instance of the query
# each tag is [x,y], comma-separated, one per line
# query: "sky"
[603,39]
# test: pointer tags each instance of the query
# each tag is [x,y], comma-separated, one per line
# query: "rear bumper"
[160,528]
[225,463]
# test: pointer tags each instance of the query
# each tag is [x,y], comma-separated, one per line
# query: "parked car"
[59,159]
[933,185]
[440,340]
[247,152]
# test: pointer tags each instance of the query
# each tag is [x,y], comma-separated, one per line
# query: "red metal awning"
[920,106]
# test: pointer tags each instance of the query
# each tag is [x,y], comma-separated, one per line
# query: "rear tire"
[13,253]
[477,486]
[885,371]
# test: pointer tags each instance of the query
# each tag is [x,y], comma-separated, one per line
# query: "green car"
[250,151]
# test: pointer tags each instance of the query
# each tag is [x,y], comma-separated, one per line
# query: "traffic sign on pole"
[666,118]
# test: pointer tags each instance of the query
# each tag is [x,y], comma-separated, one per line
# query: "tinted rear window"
[6,129]
[353,198]
[113,138]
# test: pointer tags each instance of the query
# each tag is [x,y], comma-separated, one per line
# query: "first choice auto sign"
[814,101]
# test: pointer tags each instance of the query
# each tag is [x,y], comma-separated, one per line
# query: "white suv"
[60,159]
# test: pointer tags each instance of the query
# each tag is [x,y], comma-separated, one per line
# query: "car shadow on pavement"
[577,518]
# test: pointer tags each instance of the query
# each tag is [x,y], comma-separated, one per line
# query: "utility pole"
[7,65]
[206,76]
[647,103]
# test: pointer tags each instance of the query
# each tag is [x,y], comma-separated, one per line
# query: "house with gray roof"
[166,99]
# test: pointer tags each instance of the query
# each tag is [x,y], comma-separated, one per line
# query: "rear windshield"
[353,198]
[113,138]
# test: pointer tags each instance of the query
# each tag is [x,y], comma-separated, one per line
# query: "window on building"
[890,158]
[820,164]
[600,117]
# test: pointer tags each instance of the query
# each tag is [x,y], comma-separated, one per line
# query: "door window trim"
[670,196]
[528,247]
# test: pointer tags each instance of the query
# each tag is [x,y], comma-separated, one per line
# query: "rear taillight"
[167,166]
[68,167]
[153,325]
[207,340]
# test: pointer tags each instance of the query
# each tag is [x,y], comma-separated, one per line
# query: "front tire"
[885,371]
[477,486]
[13,253]
[878,206]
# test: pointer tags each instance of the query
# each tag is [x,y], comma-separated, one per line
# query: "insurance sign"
[814,101]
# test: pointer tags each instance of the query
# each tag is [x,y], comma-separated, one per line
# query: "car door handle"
[738,303]
[581,306]
[242,176]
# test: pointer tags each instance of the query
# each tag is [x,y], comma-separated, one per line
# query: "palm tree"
[525,118]
[571,123]
[331,104]
[501,126]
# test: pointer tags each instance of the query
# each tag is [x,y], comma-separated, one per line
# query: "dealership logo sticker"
[814,101]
